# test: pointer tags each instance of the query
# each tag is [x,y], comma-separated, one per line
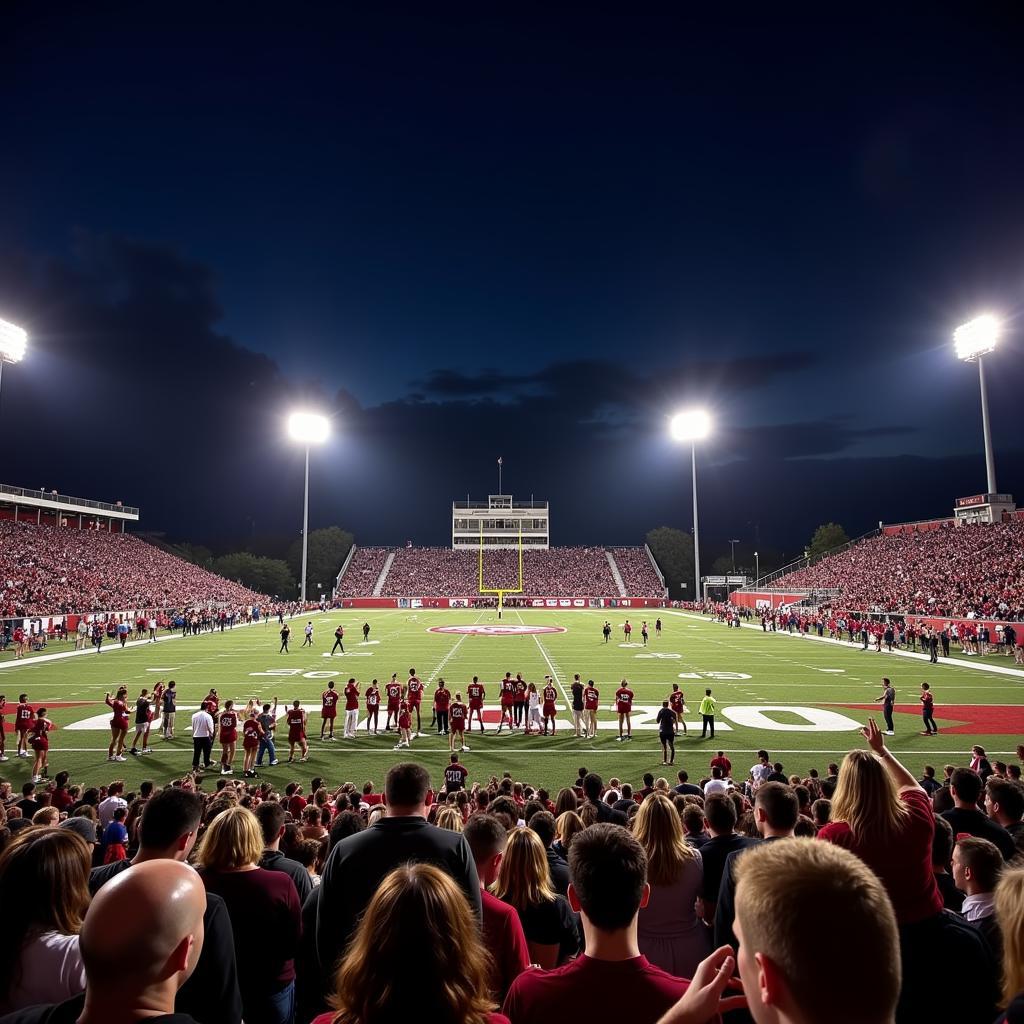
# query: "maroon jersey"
[623,700]
[251,732]
[372,698]
[508,692]
[457,712]
[120,709]
[40,727]
[590,698]
[228,727]
[351,697]
[329,701]
[212,704]
[296,724]
[442,698]
[520,694]
[676,700]
[404,718]
[476,695]
[550,694]
[23,717]
[415,688]
[455,776]
[394,692]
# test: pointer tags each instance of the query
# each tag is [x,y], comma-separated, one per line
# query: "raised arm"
[903,778]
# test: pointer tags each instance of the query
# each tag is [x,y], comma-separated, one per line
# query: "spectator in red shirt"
[418,915]
[502,930]
[611,981]
[721,761]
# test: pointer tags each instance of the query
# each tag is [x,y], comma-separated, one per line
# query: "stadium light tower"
[973,340]
[308,428]
[13,342]
[692,425]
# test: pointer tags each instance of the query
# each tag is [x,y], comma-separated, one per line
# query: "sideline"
[1016,673]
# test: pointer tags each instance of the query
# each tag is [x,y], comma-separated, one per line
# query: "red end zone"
[969,719]
[496,630]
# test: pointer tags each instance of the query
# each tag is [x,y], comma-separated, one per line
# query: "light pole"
[692,425]
[973,340]
[307,428]
[13,342]
[732,545]
[757,571]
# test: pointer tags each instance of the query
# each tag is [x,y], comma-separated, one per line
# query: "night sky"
[468,233]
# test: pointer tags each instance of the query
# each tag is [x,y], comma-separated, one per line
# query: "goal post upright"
[499,591]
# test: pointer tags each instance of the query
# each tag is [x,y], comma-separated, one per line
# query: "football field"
[800,698]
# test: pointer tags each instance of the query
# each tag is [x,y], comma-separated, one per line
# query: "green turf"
[784,673]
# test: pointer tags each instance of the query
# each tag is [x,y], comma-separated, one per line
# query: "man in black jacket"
[360,862]
[592,786]
[271,817]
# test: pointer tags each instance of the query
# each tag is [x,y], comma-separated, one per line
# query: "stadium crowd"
[48,570]
[667,900]
[551,572]
[955,572]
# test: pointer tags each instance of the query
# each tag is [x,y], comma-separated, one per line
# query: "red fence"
[478,601]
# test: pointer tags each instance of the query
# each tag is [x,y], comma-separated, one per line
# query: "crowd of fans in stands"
[48,570]
[601,901]
[551,572]
[951,571]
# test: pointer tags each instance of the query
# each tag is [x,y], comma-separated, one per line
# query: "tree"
[826,537]
[327,550]
[267,575]
[673,551]
[197,554]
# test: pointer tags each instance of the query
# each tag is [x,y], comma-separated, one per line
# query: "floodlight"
[308,427]
[977,337]
[691,425]
[13,341]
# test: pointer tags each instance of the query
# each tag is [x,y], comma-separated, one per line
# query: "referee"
[707,715]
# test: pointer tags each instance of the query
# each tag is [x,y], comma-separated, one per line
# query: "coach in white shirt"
[202,736]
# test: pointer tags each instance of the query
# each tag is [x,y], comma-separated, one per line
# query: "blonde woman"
[1010,916]
[880,813]
[669,932]
[449,818]
[417,915]
[524,882]
[567,824]
[264,910]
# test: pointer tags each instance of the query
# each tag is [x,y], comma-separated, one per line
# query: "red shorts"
[623,709]
[459,725]
[476,705]
[328,712]
[392,706]
[119,723]
[506,703]
[251,743]
[296,735]
[549,709]
[229,735]
[40,743]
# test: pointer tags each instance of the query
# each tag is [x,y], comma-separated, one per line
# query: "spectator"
[271,816]
[775,814]
[692,817]
[669,932]
[567,825]
[976,867]
[357,864]
[524,882]
[1010,919]
[167,831]
[264,910]
[44,874]
[418,915]
[1004,804]
[965,788]
[543,823]
[942,862]
[612,980]
[592,787]
[502,931]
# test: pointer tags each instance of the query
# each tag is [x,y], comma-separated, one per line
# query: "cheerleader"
[41,725]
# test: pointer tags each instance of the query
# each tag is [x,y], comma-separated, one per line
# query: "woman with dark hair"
[417,915]
[44,875]
[118,723]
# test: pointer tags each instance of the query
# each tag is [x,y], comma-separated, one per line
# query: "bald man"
[135,961]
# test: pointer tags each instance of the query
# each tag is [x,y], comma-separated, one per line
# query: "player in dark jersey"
[591,702]
[667,725]
[624,707]
[143,716]
[372,707]
[442,701]
[548,695]
[577,706]
[328,709]
[519,701]
[297,732]
[252,733]
[286,631]
[643,632]
[508,691]
[41,725]
[606,631]
[677,702]
[393,692]
[657,627]
[457,712]
[339,640]
[475,692]
[366,632]
[414,697]
[455,775]
[228,737]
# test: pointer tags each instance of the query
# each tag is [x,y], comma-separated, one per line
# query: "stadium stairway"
[379,585]
[616,575]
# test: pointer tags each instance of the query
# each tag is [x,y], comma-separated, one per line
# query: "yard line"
[554,674]
[444,661]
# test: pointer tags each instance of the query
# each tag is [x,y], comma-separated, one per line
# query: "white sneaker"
[4,757]
[397,746]
[120,757]
[464,748]
[226,771]
[22,753]
[147,750]
[889,732]
[37,778]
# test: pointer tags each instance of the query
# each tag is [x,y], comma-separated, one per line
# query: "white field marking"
[913,655]
[448,657]
[831,670]
[173,668]
[554,671]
